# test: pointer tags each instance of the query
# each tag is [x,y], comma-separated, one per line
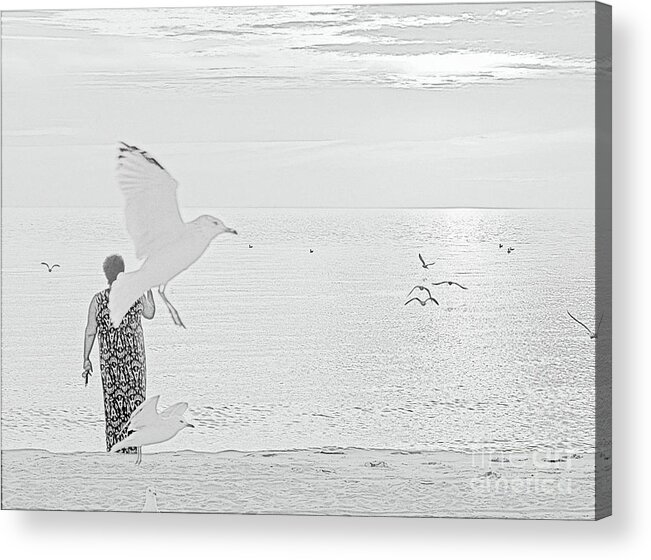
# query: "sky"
[317,106]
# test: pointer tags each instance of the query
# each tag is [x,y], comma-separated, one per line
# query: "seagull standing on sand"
[593,335]
[151,505]
[422,260]
[147,426]
[160,236]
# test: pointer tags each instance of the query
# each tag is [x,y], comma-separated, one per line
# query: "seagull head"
[214,226]
[185,424]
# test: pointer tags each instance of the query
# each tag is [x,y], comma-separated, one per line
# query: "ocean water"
[287,349]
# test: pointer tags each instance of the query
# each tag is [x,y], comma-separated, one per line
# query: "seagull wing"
[55,266]
[48,266]
[414,299]
[426,290]
[152,211]
[176,410]
[451,283]
[436,302]
[145,414]
[421,259]
[579,322]
[419,288]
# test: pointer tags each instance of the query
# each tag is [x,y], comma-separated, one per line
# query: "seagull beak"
[231,230]
[188,425]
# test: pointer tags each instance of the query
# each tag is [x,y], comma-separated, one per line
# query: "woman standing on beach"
[121,354]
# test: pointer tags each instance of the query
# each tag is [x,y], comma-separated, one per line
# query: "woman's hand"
[88,368]
[148,305]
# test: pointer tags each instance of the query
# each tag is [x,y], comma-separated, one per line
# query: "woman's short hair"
[113,265]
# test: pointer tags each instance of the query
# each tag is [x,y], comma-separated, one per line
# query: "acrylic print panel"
[414,316]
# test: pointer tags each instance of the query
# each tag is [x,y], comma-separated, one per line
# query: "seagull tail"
[128,441]
[126,289]
[119,445]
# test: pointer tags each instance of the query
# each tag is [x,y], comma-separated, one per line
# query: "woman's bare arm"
[90,333]
[148,305]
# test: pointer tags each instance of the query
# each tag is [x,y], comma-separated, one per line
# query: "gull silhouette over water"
[147,426]
[423,263]
[167,243]
[449,283]
[593,335]
[422,289]
[51,268]
[422,302]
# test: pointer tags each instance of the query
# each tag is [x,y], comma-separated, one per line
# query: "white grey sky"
[441,105]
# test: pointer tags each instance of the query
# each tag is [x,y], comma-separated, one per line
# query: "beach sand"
[331,481]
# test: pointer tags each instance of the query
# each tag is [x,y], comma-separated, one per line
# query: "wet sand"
[332,481]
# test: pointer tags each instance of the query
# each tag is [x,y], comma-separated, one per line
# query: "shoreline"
[328,449]
[318,481]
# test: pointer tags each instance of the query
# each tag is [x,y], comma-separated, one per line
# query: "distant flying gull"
[422,260]
[311,250]
[147,427]
[422,302]
[449,283]
[422,289]
[593,335]
[160,236]
[501,245]
[509,250]
[151,504]
[250,246]
[51,268]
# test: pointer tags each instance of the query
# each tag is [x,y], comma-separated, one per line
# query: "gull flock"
[167,246]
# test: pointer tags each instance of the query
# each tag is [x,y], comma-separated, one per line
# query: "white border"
[626,534]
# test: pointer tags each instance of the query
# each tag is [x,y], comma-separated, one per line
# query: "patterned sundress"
[123,368]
